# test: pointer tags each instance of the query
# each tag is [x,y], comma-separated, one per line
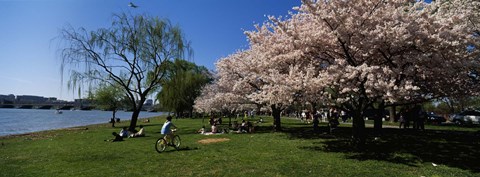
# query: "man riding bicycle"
[166,129]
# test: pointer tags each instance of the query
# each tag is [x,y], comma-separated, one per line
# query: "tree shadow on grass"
[289,127]
[458,149]
[150,125]
[182,148]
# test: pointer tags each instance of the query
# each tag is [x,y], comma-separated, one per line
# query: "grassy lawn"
[297,151]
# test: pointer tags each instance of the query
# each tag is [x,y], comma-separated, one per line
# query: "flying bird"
[132,5]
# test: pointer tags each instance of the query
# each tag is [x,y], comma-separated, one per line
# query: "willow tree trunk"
[133,121]
[136,112]
[277,126]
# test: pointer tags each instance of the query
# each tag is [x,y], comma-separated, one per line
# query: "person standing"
[402,121]
[316,129]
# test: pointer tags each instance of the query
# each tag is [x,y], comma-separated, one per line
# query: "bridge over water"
[60,106]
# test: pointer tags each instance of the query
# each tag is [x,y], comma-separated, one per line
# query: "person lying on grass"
[117,137]
[124,132]
[140,133]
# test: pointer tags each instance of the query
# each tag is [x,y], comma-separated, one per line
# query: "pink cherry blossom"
[351,54]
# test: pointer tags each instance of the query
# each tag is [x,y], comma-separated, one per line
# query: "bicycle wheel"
[176,142]
[160,145]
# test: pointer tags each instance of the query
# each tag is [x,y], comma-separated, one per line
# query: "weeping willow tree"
[182,86]
[132,53]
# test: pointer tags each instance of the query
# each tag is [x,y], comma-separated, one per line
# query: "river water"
[19,121]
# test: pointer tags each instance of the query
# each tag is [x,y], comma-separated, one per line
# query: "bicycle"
[162,143]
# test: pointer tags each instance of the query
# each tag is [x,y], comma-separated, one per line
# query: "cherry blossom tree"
[366,52]
[227,93]
[260,82]
[355,54]
[216,99]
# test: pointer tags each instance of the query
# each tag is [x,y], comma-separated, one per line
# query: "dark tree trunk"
[133,122]
[114,112]
[113,117]
[136,112]
[315,117]
[358,127]
[393,114]
[259,107]
[276,118]
[377,123]
[191,112]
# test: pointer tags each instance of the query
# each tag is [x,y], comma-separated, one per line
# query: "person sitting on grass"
[140,133]
[260,120]
[243,127]
[202,130]
[166,129]
[214,128]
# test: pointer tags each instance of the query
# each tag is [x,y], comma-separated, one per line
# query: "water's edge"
[26,121]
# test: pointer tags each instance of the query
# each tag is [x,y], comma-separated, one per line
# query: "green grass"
[298,151]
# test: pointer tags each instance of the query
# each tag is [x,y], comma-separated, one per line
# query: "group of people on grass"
[124,133]
[406,115]
[414,114]
[332,116]
[323,115]
[243,127]
[215,124]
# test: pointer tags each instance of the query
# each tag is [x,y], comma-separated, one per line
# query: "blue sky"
[29,64]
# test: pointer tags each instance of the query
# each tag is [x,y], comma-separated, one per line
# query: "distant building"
[7,99]
[22,99]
